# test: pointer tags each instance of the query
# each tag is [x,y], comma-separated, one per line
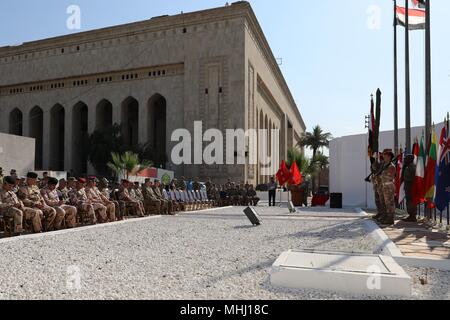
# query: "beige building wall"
[213,66]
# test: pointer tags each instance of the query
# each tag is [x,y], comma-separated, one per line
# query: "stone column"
[46,140]
[68,142]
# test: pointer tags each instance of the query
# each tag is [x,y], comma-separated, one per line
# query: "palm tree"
[320,162]
[127,164]
[315,140]
[303,163]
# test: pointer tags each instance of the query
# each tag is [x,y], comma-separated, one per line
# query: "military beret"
[32,175]
[92,179]
[10,180]
[52,181]
[81,180]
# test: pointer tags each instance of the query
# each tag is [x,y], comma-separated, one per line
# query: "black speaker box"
[336,200]
[253,216]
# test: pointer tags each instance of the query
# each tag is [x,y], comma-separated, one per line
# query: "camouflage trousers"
[88,210]
[137,207]
[152,203]
[379,199]
[53,218]
[35,216]
[100,211]
[389,198]
[69,214]
[110,210]
[16,215]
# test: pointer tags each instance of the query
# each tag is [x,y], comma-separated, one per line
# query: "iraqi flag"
[419,3]
[418,186]
[399,183]
[416,18]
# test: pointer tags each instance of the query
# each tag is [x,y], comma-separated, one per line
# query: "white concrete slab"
[344,272]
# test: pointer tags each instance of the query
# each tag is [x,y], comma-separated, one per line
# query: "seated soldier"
[79,199]
[252,196]
[51,198]
[136,194]
[159,195]
[214,195]
[32,198]
[10,206]
[242,192]
[150,199]
[124,195]
[96,197]
[224,198]
[233,195]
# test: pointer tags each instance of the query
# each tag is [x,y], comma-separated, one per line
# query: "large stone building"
[152,77]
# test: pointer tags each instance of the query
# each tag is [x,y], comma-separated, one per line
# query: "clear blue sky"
[332,60]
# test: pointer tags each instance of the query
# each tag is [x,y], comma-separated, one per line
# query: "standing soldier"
[51,198]
[124,195]
[96,197]
[32,198]
[10,205]
[375,168]
[409,174]
[388,182]
[79,199]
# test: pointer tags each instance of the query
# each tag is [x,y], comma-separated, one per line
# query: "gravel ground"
[212,255]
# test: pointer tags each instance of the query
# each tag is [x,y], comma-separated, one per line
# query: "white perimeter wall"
[349,165]
[16,153]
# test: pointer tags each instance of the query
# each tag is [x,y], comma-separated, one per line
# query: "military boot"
[388,220]
[410,219]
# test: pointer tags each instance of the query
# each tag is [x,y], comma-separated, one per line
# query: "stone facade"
[152,77]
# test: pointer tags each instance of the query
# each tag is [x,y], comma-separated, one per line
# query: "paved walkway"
[418,239]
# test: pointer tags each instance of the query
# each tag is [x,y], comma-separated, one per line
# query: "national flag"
[430,168]
[419,3]
[416,18]
[283,175]
[399,183]
[416,151]
[371,129]
[442,198]
[418,185]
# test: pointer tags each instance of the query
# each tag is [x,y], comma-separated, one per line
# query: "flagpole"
[428,116]
[407,81]
[395,82]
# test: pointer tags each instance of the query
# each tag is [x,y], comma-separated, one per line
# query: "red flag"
[283,174]
[296,177]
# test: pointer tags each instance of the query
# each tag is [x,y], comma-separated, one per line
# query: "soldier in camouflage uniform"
[124,195]
[32,198]
[150,198]
[10,206]
[388,182]
[95,196]
[79,199]
[196,186]
[232,194]
[252,196]
[136,194]
[409,174]
[164,202]
[242,193]
[378,189]
[51,198]
[10,199]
